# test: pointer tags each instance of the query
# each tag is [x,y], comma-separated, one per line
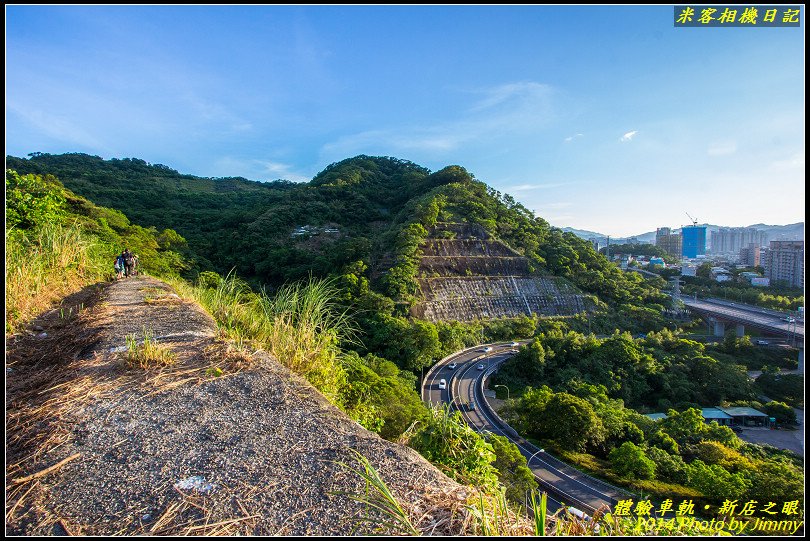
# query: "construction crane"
[694,222]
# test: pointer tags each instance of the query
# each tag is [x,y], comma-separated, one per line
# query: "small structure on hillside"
[716,414]
[747,416]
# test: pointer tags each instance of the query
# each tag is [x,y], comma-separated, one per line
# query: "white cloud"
[569,139]
[628,136]
[511,92]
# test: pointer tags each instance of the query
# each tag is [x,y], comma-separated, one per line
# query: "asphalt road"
[465,387]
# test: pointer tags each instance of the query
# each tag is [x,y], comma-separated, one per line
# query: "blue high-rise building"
[694,240]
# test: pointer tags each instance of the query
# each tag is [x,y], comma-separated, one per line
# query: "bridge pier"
[719,328]
[801,359]
[740,330]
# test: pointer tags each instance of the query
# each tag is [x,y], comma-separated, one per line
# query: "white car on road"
[480,367]
[487,349]
[442,384]
[452,366]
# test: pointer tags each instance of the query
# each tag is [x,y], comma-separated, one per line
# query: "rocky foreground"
[221,442]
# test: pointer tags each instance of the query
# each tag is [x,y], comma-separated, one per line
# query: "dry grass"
[43,268]
[472,514]
[49,384]
[192,515]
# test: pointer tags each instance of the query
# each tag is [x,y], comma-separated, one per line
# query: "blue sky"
[599,118]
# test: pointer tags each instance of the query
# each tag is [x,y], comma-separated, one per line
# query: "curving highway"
[465,387]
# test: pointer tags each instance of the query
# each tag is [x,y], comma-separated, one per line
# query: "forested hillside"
[361,209]
[361,221]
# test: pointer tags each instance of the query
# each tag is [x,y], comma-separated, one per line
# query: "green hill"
[366,221]
[356,209]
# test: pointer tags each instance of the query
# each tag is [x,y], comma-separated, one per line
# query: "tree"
[715,482]
[713,452]
[783,413]
[630,461]
[775,481]
[668,467]
[32,200]
[513,472]
[570,421]
[685,426]
[448,442]
[704,271]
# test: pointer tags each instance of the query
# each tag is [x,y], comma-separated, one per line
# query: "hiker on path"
[135,264]
[119,266]
[129,262]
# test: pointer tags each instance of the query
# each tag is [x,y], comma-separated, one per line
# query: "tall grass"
[301,324]
[48,264]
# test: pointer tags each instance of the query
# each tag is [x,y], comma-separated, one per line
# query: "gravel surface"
[253,451]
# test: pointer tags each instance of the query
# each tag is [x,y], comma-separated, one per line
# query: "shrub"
[630,461]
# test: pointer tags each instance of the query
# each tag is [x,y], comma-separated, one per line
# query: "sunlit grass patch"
[148,354]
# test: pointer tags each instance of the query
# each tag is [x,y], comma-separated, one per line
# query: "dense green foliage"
[58,242]
[659,371]
[741,350]
[678,457]
[787,388]
[380,207]
[33,201]
[513,472]
[775,296]
[361,220]
[447,441]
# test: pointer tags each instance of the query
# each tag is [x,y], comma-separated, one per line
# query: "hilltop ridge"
[182,449]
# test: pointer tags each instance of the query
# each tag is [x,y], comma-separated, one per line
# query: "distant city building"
[730,240]
[760,282]
[694,240]
[656,262]
[594,242]
[721,274]
[688,270]
[668,241]
[750,256]
[784,261]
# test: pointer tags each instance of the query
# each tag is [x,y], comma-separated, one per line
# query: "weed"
[149,354]
[214,372]
[378,496]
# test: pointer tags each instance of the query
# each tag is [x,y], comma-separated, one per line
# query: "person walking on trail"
[119,266]
[129,262]
[135,264]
